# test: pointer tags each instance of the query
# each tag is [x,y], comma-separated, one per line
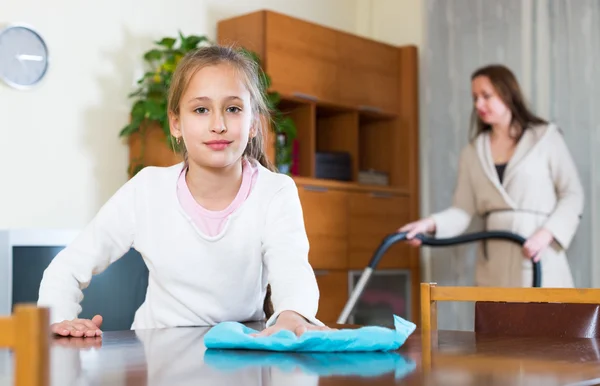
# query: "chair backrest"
[563,320]
[519,311]
[27,333]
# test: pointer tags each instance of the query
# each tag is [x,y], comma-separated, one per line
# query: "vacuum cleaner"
[393,238]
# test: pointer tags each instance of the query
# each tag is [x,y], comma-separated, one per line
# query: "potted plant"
[148,132]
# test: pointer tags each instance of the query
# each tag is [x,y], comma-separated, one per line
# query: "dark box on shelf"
[333,166]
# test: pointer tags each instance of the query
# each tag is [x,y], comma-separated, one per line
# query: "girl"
[213,230]
[518,175]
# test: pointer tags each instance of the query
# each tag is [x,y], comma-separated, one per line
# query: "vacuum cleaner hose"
[466,238]
[395,237]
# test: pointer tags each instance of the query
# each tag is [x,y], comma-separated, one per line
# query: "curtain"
[553,47]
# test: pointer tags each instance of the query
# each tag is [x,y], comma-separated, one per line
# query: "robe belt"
[524,211]
[529,211]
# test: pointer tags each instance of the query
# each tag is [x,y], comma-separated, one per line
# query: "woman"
[518,174]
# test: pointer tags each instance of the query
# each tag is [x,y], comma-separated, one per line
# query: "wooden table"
[177,356]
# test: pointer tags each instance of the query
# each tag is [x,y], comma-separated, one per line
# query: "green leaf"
[267,81]
[167,42]
[287,126]
[273,99]
[138,110]
[153,55]
[251,54]
[137,92]
[136,169]
[193,41]
[155,109]
[128,130]
[166,127]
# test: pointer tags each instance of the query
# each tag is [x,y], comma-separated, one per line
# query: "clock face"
[23,57]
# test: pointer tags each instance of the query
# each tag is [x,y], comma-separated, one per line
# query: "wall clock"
[23,56]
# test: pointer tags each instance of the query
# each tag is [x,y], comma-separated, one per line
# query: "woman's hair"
[508,89]
[250,73]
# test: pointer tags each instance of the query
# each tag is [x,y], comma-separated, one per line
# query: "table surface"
[177,356]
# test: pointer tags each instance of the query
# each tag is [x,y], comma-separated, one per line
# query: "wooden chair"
[27,333]
[548,312]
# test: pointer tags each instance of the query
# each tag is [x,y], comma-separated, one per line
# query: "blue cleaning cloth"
[234,335]
[361,364]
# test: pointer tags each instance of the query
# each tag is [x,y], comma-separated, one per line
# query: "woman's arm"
[564,219]
[104,240]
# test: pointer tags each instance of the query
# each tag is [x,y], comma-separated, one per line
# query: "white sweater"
[194,279]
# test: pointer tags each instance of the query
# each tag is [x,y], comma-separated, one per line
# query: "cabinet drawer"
[372,217]
[333,288]
[326,221]
[301,58]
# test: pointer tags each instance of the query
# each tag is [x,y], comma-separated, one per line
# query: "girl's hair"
[508,89]
[250,73]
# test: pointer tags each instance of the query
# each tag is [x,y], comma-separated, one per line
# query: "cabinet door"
[372,217]
[333,288]
[368,73]
[368,90]
[301,58]
[325,216]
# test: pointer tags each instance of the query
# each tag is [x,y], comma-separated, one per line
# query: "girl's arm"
[104,240]
[285,256]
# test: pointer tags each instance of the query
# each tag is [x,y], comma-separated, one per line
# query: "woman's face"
[488,104]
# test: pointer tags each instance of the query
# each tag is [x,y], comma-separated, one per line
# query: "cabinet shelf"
[321,183]
[375,112]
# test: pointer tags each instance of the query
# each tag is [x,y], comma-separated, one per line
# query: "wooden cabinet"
[372,216]
[326,219]
[333,287]
[346,94]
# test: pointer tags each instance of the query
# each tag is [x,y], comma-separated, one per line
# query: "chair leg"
[32,349]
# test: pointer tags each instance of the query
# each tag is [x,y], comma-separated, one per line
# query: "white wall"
[397,22]
[60,156]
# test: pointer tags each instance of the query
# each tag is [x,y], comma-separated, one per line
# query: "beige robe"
[541,188]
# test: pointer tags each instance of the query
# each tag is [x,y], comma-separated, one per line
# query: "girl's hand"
[78,327]
[426,225]
[83,343]
[289,320]
[535,244]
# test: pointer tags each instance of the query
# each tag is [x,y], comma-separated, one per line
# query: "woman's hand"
[535,244]
[426,225]
[289,320]
[78,327]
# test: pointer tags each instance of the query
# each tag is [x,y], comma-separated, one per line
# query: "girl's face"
[215,117]
[488,104]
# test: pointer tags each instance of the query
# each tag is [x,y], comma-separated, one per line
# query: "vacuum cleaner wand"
[393,238]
